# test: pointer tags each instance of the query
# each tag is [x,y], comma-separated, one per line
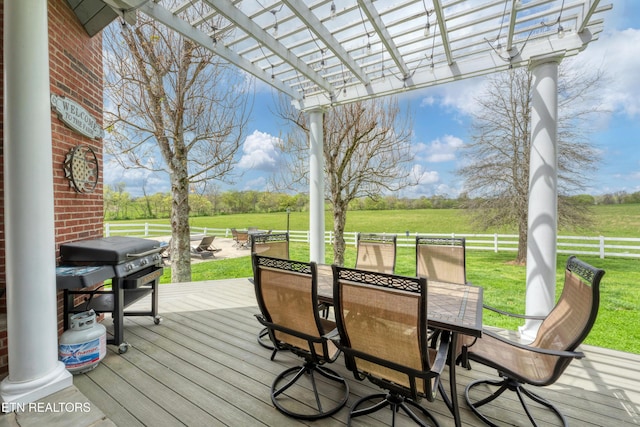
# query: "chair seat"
[523,365]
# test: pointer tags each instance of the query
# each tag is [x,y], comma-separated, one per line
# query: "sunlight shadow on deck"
[203,366]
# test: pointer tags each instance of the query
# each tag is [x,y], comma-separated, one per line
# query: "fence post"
[601,247]
[495,242]
[107,229]
[146,229]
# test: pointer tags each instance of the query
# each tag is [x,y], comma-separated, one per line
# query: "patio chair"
[205,248]
[382,325]
[242,239]
[441,259]
[271,244]
[543,361]
[287,294]
[234,236]
[274,245]
[376,252]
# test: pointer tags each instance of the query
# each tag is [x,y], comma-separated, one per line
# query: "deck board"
[203,366]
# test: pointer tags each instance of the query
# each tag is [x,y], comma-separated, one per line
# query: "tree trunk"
[339,220]
[523,231]
[180,232]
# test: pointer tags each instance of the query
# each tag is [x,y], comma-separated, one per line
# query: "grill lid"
[111,250]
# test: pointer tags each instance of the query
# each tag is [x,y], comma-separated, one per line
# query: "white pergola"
[321,53]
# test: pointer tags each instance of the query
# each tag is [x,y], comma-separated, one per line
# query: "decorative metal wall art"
[81,169]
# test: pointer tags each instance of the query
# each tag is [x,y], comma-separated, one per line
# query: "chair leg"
[521,390]
[263,339]
[321,410]
[324,310]
[504,385]
[396,402]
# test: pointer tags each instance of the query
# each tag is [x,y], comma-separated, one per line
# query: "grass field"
[618,324]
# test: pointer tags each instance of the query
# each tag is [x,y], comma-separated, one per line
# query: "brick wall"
[75,62]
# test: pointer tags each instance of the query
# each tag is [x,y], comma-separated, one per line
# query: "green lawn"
[618,324]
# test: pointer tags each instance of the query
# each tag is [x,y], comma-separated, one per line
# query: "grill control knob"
[129,267]
[144,262]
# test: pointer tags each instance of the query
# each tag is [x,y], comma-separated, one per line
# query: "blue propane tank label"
[82,355]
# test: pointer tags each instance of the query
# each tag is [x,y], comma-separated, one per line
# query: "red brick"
[75,71]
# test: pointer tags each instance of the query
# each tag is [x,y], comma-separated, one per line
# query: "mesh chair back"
[441,259]
[275,245]
[287,295]
[573,316]
[376,252]
[242,238]
[382,322]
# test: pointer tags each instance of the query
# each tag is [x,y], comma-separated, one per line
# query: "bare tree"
[367,152]
[496,170]
[172,106]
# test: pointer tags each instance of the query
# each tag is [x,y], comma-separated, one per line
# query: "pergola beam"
[385,37]
[444,33]
[243,22]
[164,16]
[315,25]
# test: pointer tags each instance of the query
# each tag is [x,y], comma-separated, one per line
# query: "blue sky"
[442,116]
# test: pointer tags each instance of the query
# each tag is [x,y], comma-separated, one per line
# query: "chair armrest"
[507,313]
[558,353]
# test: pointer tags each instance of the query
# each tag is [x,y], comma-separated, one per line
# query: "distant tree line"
[119,205]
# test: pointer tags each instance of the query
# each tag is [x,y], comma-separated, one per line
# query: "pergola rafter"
[323,53]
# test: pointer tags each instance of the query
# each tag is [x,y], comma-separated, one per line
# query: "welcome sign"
[76,117]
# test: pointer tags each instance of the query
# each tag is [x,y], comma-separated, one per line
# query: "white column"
[34,369]
[316,187]
[543,194]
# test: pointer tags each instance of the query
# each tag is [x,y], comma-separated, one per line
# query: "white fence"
[601,246]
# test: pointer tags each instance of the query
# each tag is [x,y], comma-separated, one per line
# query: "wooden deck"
[202,366]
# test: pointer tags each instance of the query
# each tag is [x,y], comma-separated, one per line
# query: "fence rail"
[626,247]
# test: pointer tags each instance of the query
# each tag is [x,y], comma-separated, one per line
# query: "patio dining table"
[451,307]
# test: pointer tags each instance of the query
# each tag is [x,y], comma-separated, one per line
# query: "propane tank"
[84,344]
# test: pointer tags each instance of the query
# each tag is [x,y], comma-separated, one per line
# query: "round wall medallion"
[81,169]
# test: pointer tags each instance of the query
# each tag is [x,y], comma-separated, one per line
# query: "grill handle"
[149,252]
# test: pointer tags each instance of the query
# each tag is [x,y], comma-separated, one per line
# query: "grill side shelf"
[74,277]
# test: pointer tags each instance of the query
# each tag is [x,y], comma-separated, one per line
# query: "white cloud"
[258,184]
[619,52]
[429,184]
[428,101]
[135,179]
[425,177]
[427,181]
[259,152]
[439,150]
[458,96]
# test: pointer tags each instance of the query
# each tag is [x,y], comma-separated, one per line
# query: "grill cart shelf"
[113,301]
[134,271]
